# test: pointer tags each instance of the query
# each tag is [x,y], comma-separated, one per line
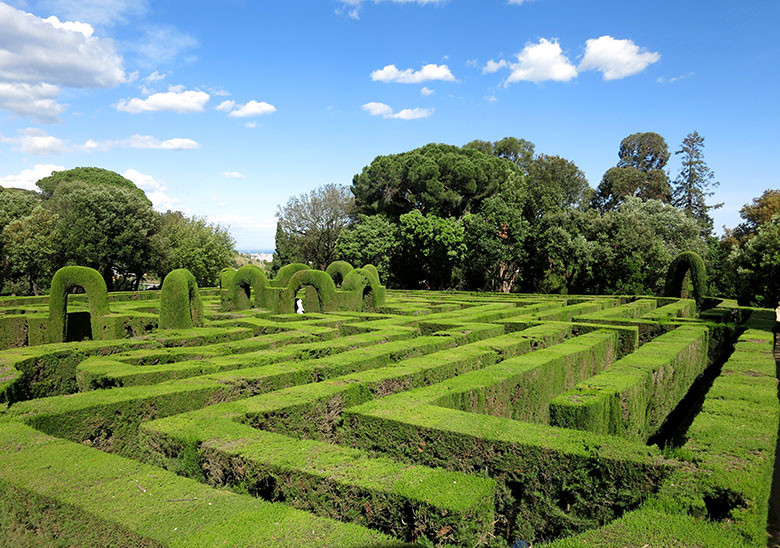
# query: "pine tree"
[693,183]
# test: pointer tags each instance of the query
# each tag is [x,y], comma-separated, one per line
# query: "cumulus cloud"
[28,177]
[39,56]
[542,61]
[48,51]
[36,141]
[174,100]
[427,73]
[494,66]
[154,190]
[616,59]
[252,108]
[426,91]
[386,111]
[155,77]
[233,175]
[36,101]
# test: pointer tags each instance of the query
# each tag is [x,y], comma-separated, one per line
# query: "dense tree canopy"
[87,175]
[442,180]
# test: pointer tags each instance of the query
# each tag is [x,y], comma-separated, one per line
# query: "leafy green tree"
[286,250]
[313,222]
[639,172]
[757,264]
[442,180]
[106,227]
[691,188]
[87,175]
[15,204]
[485,147]
[193,243]
[518,151]
[495,240]
[372,240]
[646,152]
[430,249]
[556,183]
[31,248]
[757,213]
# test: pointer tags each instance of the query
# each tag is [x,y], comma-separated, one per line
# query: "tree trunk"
[33,285]
[108,276]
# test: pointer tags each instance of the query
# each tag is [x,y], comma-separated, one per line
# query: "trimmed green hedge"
[685,262]
[245,288]
[321,281]
[633,398]
[180,306]
[285,273]
[95,287]
[338,270]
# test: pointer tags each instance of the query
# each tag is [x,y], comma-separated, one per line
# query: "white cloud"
[37,101]
[494,66]
[36,50]
[473,63]
[154,190]
[28,177]
[413,113]
[37,142]
[226,106]
[390,73]
[378,109]
[386,111]
[233,175]
[97,12]
[251,125]
[155,77]
[252,108]
[517,2]
[245,222]
[38,56]
[147,141]
[492,99]
[616,59]
[426,91]
[542,61]
[173,100]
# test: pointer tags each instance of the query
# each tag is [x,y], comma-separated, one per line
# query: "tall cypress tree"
[693,183]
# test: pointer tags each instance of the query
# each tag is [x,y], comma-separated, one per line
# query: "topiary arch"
[246,288]
[685,262]
[372,293]
[94,285]
[286,273]
[320,280]
[338,270]
[180,306]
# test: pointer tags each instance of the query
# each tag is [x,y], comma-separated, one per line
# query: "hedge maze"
[219,417]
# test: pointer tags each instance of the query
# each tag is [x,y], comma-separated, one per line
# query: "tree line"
[498,216]
[97,218]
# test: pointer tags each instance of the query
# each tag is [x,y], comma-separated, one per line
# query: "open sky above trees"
[226,110]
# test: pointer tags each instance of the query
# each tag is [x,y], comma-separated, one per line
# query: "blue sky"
[226,109]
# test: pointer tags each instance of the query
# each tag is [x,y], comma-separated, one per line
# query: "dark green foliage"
[30,248]
[684,263]
[94,286]
[180,306]
[106,227]
[436,179]
[91,176]
[693,183]
[338,270]
[374,239]
[430,248]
